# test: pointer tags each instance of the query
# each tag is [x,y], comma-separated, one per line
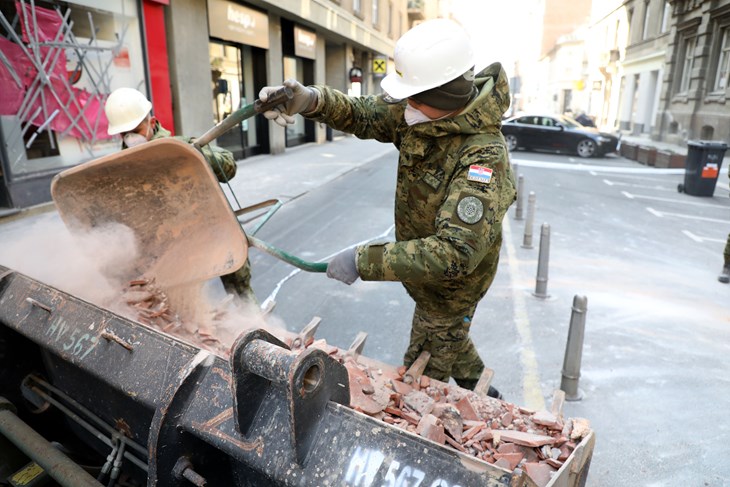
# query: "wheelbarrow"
[166,193]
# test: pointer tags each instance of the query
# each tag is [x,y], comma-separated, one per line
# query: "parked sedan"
[557,133]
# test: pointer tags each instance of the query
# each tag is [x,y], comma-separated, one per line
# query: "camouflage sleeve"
[366,117]
[467,224]
[221,161]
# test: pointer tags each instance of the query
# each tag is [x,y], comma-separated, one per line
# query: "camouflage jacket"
[454,186]
[220,159]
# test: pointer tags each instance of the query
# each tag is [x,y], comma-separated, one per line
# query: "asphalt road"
[655,374]
[654,378]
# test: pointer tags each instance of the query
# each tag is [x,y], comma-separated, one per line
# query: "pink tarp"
[79,111]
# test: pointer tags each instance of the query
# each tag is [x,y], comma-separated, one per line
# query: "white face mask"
[133,139]
[415,116]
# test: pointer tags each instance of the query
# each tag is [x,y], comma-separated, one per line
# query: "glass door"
[226,82]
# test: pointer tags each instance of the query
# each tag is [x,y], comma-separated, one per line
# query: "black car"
[557,133]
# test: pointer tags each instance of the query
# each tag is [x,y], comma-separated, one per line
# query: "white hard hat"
[429,55]
[125,109]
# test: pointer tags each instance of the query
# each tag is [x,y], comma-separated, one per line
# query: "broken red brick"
[540,473]
[513,459]
[525,439]
[466,409]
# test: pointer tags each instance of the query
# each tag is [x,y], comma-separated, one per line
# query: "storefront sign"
[305,43]
[380,66]
[236,23]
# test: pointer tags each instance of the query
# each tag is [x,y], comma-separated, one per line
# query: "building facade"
[695,96]
[197,60]
[644,66]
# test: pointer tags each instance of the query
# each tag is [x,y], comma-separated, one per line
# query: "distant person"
[130,115]
[585,120]
[454,185]
[724,276]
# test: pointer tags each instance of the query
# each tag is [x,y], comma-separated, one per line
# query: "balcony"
[416,10]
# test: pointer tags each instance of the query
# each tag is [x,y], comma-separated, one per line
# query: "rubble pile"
[492,430]
[495,431]
[150,306]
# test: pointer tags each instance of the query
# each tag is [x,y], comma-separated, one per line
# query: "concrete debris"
[495,431]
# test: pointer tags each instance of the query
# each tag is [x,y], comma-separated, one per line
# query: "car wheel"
[586,148]
[511,142]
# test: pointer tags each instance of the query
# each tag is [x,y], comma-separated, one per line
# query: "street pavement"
[654,369]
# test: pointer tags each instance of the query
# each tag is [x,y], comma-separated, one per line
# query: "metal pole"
[520,197]
[61,468]
[574,350]
[527,238]
[543,259]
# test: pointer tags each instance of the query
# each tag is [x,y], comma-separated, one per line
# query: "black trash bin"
[702,167]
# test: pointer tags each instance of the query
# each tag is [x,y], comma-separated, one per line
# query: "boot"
[724,277]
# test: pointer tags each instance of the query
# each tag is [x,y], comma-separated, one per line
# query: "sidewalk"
[282,176]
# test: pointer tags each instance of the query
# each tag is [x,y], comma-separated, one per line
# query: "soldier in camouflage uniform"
[455,184]
[724,276]
[129,114]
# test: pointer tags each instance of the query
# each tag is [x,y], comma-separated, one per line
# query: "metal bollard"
[527,238]
[520,197]
[574,350]
[543,259]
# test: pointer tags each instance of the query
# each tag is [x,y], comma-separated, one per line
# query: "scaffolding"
[35,46]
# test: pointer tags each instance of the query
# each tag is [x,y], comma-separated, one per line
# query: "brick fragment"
[540,473]
[419,402]
[400,387]
[525,439]
[466,409]
[513,459]
[468,434]
[430,428]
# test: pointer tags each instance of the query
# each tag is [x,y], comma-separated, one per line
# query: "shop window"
[84,53]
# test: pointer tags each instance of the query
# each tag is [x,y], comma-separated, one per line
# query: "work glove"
[304,100]
[343,266]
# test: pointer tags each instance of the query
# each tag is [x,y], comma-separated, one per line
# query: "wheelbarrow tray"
[167,194]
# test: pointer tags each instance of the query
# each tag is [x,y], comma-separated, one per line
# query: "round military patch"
[470,210]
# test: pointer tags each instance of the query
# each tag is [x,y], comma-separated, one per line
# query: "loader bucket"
[167,194]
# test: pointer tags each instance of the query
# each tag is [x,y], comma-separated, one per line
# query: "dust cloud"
[99,265]
[89,265]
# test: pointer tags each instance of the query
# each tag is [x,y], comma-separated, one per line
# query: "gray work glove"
[343,266]
[304,100]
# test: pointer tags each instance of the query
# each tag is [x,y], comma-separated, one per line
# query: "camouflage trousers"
[239,283]
[453,353]
[726,254]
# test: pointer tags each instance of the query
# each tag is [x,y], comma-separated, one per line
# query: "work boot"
[493,392]
[724,277]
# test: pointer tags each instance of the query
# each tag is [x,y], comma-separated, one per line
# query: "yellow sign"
[28,474]
[380,65]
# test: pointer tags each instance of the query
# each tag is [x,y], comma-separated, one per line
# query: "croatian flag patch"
[479,174]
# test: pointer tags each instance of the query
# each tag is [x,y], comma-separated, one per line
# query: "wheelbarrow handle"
[286,257]
[282,95]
